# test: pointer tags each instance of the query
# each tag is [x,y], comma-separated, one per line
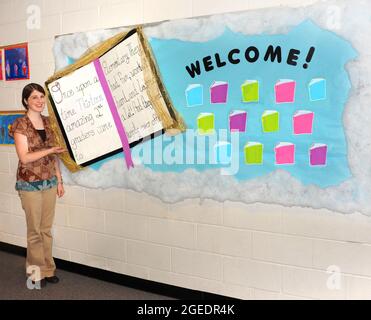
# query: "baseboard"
[121,279]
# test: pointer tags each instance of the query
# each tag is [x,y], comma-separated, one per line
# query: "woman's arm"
[25,156]
[58,170]
[60,187]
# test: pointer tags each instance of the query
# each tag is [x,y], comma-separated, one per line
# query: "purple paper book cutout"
[318,154]
[219,92]
[237,121]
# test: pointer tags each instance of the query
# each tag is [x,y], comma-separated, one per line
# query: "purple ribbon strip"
[116,117]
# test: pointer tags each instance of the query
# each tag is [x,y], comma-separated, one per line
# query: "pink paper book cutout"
[219,92]
[285,153]
[285,91]
[318,154]
[303,122]
[237,121]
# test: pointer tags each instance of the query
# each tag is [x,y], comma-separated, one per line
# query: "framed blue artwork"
[1,64]
[16,62]
[6,120]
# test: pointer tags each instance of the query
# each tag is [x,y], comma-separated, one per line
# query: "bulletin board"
[274,102]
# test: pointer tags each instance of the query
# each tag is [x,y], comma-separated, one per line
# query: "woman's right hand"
[57,150]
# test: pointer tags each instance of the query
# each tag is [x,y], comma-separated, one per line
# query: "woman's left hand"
[60,190]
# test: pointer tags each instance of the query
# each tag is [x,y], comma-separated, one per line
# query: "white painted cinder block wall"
[247,251]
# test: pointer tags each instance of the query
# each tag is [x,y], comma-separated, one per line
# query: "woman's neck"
[36,119]
[33,115]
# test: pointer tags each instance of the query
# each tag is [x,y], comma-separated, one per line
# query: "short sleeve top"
[44,168]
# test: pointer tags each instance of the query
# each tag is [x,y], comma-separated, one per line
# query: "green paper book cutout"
[271,121]
[205,123]
[253,153]
[250,91]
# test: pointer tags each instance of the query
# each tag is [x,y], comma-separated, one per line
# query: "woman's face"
[36,101]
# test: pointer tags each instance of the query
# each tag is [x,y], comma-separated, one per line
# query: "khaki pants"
[39,207]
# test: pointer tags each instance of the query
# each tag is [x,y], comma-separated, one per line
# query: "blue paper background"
[331,55]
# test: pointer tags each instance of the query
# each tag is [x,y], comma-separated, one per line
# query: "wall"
[248,251]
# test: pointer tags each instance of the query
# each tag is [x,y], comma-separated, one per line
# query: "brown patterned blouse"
[44,168]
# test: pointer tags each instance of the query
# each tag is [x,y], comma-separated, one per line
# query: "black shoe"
[53,279]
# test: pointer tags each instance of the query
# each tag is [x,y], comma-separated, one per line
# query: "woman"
[39,180]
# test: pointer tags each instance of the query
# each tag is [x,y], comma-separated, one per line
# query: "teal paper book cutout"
[194,95]
[317,89]
[223,152]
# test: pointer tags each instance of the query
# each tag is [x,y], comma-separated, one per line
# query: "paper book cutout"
[250,91]
[318,154]
[317,89]
[253,152]
[303,122]
[194,95]
[285,91]
[219,92]
[285,153]
[98,113]
[223,152]
[271,121]
[205,123]
[237,120]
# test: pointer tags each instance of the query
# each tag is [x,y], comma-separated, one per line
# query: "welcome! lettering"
[251,55]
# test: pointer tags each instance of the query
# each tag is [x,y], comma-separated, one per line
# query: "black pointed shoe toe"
[53,279]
